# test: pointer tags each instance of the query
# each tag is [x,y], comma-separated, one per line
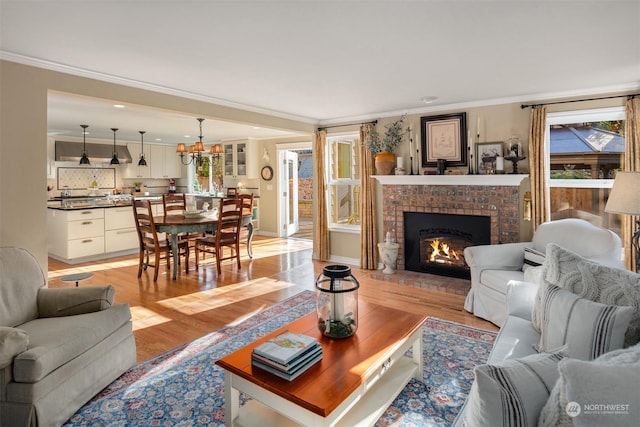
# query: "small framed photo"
[486,154]
[232,192]
[444,137]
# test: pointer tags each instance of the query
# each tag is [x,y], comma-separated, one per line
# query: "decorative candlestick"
[470,162]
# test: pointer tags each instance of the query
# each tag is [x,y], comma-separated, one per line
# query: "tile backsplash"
[81,178]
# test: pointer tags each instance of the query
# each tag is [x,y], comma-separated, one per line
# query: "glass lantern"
[337,301]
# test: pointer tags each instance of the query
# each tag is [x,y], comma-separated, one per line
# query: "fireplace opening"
[434,243]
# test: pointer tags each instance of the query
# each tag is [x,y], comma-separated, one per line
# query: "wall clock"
[267,173]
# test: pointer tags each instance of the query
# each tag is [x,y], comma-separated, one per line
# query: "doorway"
[296,189]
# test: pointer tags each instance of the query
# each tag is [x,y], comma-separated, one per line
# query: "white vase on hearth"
[389,254]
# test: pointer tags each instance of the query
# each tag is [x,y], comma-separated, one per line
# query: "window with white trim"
[585,149]
[344,186]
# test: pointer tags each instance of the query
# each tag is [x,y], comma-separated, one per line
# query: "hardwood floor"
[172,312]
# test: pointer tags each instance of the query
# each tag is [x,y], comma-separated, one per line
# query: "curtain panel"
[368,225]
[540,211]
[631,163]
[321,249]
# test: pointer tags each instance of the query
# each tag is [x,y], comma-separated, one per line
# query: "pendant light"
[142,161]
[84,160]
[114,159]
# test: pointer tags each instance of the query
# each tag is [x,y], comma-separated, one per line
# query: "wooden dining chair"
[177,203]
[150,243]
[247,208]
[227,234]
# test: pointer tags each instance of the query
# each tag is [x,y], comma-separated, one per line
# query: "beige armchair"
[58,347]
[494,266]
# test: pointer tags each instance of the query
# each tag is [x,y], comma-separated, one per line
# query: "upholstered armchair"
[58,347]
[493,266]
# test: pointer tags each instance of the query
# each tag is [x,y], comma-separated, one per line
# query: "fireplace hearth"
[434,243]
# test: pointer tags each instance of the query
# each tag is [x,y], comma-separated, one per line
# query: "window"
[585,150]
[343,170]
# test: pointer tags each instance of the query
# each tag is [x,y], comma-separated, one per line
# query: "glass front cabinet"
[240,159]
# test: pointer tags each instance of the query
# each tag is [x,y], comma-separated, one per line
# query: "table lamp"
[625,199]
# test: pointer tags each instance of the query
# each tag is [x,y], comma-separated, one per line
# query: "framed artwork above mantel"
[444,137]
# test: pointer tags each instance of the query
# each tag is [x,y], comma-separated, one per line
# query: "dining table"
[174,224]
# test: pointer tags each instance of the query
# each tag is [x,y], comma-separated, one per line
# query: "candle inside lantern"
[500,164]
[337,304]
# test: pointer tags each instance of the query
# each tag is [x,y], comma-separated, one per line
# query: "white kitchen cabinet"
[132,170]
[119,229]
[75,234]
[240,158]
[164,162]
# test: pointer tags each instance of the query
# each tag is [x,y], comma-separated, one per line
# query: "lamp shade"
[182,148]
[199,147]
[625,194]
[216,149]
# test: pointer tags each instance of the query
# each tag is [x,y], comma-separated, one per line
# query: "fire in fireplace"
[434,243]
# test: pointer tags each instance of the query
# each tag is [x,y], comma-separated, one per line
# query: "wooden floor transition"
[172,312]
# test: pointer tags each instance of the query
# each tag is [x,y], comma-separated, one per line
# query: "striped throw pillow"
[532,258]
[588,328]
[513,392]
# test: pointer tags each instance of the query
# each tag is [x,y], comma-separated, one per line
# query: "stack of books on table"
[288,355]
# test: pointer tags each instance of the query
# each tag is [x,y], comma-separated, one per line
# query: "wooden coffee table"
[357,379]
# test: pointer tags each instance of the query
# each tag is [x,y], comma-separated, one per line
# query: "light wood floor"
[172,312]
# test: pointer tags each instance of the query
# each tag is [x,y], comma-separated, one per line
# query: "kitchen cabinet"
[132,170]
[164,162]
[76,233]
[240,158]
[120,232]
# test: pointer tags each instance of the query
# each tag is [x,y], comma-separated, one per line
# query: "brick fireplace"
[495,196]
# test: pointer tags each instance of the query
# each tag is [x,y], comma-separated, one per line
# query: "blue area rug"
[184,387]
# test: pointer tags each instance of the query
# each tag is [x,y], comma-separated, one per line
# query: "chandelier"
[194,153]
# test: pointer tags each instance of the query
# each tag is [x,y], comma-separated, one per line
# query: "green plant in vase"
[383,147]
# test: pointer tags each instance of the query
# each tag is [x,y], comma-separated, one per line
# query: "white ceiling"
[326,61]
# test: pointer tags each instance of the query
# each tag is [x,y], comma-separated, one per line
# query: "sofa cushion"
[512,393]
[498,279]
[611,379]
[12,342]
[588,328]
[594,281]
[55,341]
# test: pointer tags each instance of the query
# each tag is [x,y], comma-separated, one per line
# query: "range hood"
[98,153]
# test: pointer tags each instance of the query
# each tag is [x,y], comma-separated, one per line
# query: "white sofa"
[493,266]
[610,375]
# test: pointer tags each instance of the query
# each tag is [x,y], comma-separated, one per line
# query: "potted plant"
[383,147]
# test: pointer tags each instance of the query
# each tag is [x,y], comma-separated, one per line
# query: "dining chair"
[174,203]
[247,205]
[227,234]
[150,243]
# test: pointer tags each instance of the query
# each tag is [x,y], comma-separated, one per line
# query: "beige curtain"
[540,211]
[631,163]
[321,249]
[368,224]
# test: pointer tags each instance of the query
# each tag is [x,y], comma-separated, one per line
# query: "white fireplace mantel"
[479,180]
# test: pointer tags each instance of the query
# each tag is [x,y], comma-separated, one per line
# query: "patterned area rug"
[184,387]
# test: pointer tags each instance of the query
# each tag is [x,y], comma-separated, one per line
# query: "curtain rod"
[373,122]
[523,106]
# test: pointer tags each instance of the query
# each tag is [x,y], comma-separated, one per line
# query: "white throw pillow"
[512,393]
[612,379]
[588,328]
[591,280]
